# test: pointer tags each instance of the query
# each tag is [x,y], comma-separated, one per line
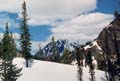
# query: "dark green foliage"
[66,56]
[25,35]
[55,57]
[9,71]
[91,66]
[111,70]
[79,73]
[79,60]
[79,57]
[39,55]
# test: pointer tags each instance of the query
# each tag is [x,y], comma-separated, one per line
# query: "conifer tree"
[79,58]
[25,35]
[105,63]
[39,55]
[0,49]
[91,66]
[111,70]
[55,51]
[9,71]
[66,56]
[80,73]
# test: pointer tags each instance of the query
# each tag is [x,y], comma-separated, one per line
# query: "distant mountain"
[59,44]
[107,37]
[105,42]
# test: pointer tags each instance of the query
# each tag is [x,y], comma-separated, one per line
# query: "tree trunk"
[27,64]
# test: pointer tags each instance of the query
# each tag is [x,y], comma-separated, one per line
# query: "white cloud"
[12,22]
[1,36]
[16,36]
[83,28]
[35,45]
[42,10]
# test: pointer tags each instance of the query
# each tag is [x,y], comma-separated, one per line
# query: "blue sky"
[107,6]
[63,19]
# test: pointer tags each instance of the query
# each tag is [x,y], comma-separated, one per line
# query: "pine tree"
[55,51]
[0,49]
[9,71]
[66,56]
[105,65]
[111,70]
[91,66]
[25,35]
[80,73]
[40,54]
[79,58]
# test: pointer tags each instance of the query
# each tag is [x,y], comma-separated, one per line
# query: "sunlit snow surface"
[49,71]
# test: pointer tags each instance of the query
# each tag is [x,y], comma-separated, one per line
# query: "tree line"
[8,51]
[8,70]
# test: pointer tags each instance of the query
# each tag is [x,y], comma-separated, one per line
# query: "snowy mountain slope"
[59,45]
[49,71]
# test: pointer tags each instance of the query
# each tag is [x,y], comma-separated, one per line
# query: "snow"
[50,71]
[94,43]
[87,47]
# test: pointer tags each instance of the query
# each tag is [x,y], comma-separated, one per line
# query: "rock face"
[108,41]
[96,52]
[109,38]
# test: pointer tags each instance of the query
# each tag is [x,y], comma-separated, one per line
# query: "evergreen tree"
[9,71]
[39,55]
[25,35]
[105,65]
[79,58]
[55,51]
[0,49]
[80,73]
[91,66]
[66,56]
[111,70]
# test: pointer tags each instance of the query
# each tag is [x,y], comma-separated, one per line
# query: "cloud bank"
[82,28]
[48,10]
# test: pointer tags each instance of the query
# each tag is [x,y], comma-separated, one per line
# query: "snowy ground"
[49,71]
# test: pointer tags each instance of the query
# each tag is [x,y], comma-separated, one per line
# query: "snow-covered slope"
[49,71]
